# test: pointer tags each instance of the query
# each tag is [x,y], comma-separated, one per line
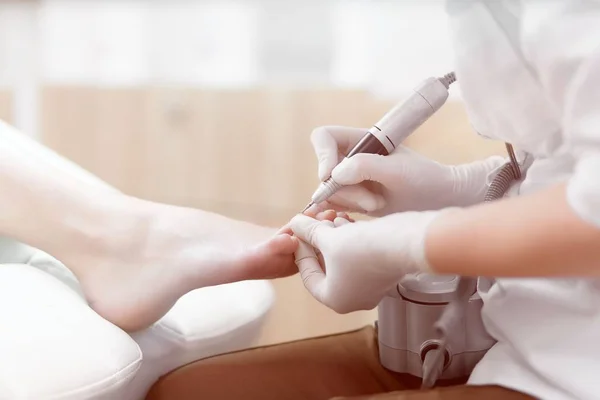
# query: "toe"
[280,245]
[285,230]
[273,259]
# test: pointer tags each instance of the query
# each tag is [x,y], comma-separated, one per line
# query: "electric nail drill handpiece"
[394,127]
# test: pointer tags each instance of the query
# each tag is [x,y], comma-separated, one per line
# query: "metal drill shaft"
[307,207]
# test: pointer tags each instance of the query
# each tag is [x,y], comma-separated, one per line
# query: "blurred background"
[211,104]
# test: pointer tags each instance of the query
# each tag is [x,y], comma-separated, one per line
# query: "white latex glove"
[402,181]
[359,262]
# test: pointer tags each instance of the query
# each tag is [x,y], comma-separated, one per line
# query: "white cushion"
[53,346]
[203,323]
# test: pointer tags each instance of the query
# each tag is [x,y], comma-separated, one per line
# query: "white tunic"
[529,72]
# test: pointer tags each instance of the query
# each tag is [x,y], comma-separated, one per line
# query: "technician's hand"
[359,262]
[403,181]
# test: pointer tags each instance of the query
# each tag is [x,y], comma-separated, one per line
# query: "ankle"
[115,230]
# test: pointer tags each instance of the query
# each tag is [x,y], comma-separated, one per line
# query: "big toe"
[278,245]
[272,259]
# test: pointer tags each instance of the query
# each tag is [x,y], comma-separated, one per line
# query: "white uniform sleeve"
[561,42]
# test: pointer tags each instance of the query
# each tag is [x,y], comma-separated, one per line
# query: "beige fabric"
[337,366]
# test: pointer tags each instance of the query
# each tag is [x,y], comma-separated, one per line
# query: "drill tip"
[307,207]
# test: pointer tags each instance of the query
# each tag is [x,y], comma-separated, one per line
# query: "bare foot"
[135,276]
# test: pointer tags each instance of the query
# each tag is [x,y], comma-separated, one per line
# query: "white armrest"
[14,252]
[53,346]
[203,323]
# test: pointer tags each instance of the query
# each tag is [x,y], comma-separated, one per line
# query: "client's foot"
[133,277]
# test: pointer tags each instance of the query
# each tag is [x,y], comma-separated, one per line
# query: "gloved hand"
[359,263]
[402,181]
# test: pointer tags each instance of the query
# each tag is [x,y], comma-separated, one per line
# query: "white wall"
[19,61]
[389,46]
[226,42]
[385,46]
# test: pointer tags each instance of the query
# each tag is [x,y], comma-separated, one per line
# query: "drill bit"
[307,207]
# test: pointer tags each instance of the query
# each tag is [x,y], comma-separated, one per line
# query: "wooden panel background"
[245,154]
[6,106]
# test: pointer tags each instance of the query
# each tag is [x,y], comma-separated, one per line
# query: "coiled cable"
[507,174]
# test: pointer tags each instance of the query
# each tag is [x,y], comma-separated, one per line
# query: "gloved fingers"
[321,259]
[304,251]
[309,266]
[357,198]
[331,143]
[310,230]
[363,167]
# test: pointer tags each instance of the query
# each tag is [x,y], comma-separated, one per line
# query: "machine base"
[407,362]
